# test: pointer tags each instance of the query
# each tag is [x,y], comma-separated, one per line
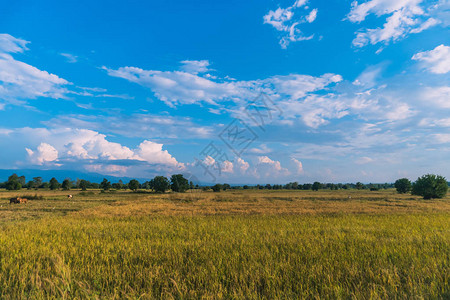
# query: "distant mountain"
[60,175]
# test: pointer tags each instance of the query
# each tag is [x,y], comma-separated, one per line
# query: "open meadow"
[235,244]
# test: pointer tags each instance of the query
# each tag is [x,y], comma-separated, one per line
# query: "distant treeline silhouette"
[429,186]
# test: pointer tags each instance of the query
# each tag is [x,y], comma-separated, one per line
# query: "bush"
[430,186]
[403,185]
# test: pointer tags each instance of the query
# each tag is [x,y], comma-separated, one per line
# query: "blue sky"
[335,91]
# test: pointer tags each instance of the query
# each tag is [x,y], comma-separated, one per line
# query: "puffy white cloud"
[267,167]
[92,150]
[195,66]
[436,61]
[286,20]
[298,166]
[242,165]
[227,167]
[404,17]
[44,153]
[153,153]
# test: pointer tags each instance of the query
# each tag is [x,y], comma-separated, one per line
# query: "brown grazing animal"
[18,200]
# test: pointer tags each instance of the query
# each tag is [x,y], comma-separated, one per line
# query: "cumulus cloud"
[298,166]
[435,61]
[286,21]
[90,148]
[43,154]
[267,167]
[403,18]
[242,165]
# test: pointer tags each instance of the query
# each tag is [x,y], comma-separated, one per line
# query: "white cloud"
[227,167]
[154,154]
[363,160]
[44,153]
[435,61]
[442,138]
[286,20]
[242,165]
[312,16]
[19,81]
[195,66]
[298,166]
[263,149]
[70,57]
[86,148]
[404,17]
[437,96]
[176,87]
[267,167]
[10,44]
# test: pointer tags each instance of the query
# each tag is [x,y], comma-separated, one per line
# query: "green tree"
[54,184]
[179,183]
[359,185]
[105,184]
[133,185]
[430,186]
[83,184]
[13,183]
[37,182]
[66,185]
[316,186]
[161,184]
[403,185]
[216,188]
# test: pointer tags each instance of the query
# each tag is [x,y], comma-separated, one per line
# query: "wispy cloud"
[287,20]
[404,17]
[20,81]
[70,58]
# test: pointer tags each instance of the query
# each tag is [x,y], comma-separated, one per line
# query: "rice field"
[234,245]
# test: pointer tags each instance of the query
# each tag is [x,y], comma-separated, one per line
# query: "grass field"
[233,244]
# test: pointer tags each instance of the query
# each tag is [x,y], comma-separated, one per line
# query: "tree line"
[429,186]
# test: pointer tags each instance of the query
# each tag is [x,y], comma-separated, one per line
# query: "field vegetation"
[234,244]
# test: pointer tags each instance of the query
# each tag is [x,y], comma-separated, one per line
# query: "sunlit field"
[233,244]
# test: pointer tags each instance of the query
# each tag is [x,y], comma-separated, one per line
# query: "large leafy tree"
[13,183]
[403,185]
[430,186]
[83,184]
[179,183]
[66,185]
[54,184]
[316,186]
[133,185]
[161,184]
[105,184]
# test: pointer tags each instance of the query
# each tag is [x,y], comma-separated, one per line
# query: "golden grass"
[233,245]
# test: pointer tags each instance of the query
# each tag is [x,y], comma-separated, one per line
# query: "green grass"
[95,252]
